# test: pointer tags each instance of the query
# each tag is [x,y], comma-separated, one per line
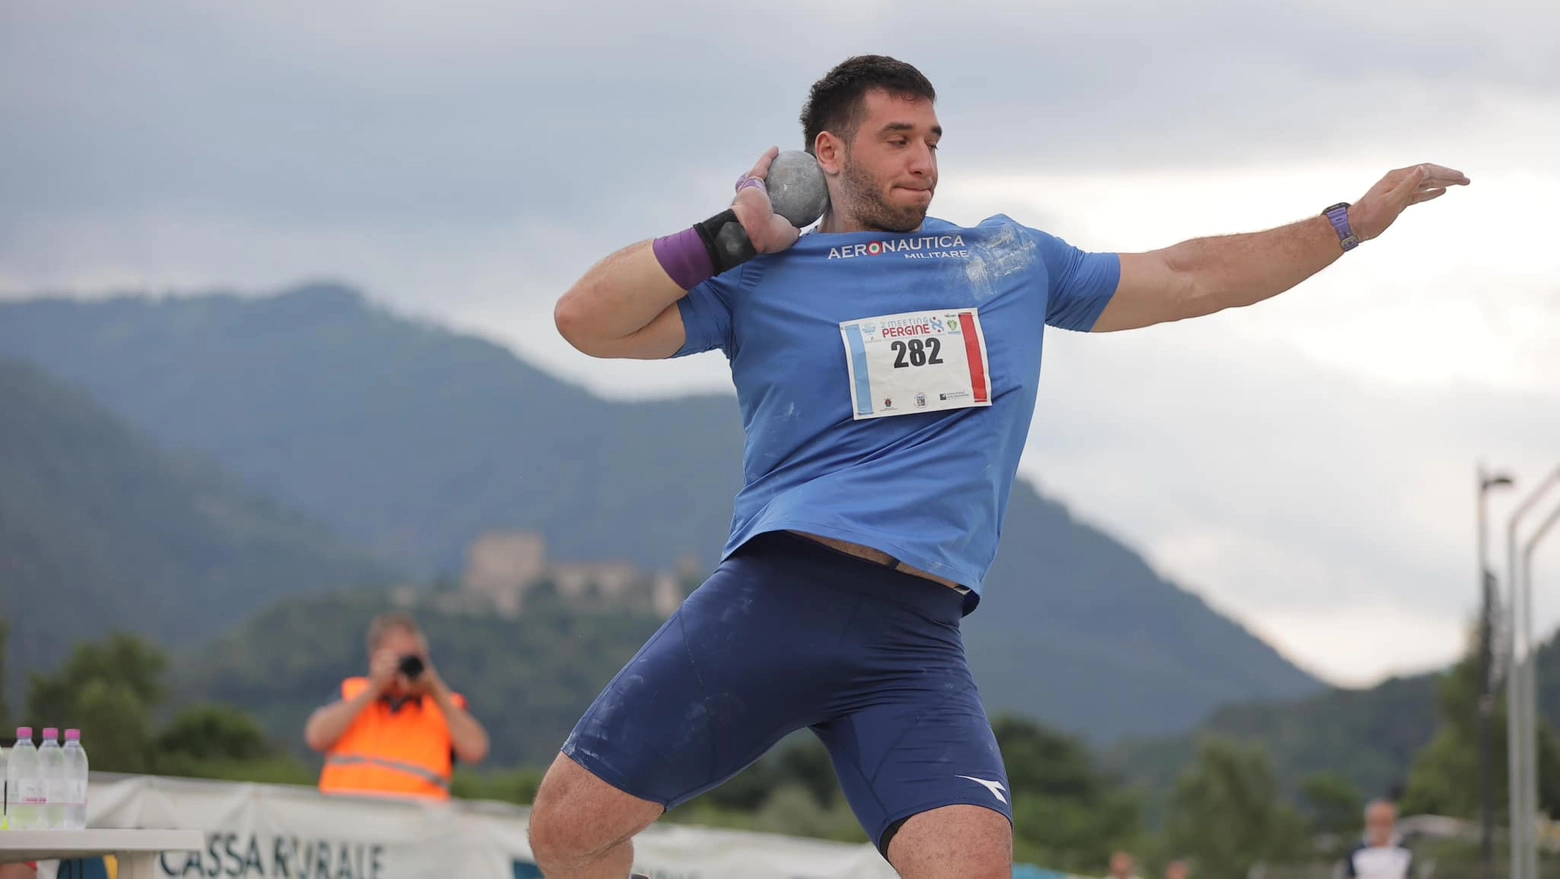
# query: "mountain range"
[101,529]
[408,441]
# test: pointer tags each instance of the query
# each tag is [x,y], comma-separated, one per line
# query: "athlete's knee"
[579,819]
[954,842]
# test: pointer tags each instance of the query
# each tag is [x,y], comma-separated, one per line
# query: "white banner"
[256,830]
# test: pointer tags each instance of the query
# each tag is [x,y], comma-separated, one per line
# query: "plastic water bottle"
[75,781]
[23,787]
[51,768]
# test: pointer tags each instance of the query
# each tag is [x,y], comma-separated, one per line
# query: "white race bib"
[918,361]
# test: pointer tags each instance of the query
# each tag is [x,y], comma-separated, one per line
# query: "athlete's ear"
[830,151]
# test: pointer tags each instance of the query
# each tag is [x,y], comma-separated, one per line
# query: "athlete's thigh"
[916,737]
[733,671]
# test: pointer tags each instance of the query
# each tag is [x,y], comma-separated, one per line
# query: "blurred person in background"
[1381,855]
[400,730]
[1123,866]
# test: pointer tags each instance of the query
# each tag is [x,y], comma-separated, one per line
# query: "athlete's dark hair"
[837,101]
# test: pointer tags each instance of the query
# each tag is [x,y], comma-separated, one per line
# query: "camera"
[411,666]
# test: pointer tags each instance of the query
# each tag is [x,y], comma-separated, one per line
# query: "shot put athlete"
[886,367]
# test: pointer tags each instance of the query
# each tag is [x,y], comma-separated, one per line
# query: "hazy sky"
[1307,465]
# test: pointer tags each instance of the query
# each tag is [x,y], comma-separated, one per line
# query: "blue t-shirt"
[929,488]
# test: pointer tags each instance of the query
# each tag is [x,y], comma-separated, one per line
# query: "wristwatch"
[1338,214]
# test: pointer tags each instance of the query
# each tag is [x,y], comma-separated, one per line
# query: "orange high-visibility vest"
[401,753]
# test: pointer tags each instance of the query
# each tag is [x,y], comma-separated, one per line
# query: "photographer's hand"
[467,736]
[382,671]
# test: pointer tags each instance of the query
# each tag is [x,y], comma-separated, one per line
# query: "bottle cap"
[50,733]
[24,732]
[73,735]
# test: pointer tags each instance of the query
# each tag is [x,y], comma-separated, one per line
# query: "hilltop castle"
[504,567]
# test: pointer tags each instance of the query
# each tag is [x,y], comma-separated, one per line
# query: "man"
[1178,870]
[1381,855]
[399,731]
[886,369]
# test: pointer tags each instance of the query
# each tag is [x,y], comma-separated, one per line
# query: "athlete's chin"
[909,207]
[908,220]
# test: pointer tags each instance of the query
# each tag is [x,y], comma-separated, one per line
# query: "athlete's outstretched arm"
[1206,275]
[626,305]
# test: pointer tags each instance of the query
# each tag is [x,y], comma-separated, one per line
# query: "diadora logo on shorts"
[920,247]
[995,787]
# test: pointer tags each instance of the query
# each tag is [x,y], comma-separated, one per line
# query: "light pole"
[1486,705]
[1530,691]
[1521,762]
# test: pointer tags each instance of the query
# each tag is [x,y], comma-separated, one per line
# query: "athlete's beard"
[867,206]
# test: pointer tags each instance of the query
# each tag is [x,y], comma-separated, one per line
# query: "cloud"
[1287,491]
[294,113]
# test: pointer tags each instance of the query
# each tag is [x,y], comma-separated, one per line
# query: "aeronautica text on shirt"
[919,247]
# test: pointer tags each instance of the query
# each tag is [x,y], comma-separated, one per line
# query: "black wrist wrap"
[726,241]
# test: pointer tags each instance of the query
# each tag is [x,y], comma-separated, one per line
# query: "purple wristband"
[685,258]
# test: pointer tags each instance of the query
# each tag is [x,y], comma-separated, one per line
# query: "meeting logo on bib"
[919,247]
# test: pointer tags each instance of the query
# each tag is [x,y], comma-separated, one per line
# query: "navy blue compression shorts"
[785,634]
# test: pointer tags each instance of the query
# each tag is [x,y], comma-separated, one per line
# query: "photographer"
[399,731]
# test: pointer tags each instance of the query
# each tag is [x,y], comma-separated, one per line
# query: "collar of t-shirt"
[396,703]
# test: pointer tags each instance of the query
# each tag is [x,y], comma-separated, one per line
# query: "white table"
[136,850]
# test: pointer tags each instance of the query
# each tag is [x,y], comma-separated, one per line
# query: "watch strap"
[1338,215]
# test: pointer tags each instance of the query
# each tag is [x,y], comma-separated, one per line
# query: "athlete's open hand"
[769,232]
[1378,208]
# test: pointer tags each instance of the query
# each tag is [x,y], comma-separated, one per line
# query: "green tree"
[116,726]
[1334,812]
[791,790]
[219,741]
[214,732]
[1067,814]
[1444,777]
[800,762]
[1333,805]
[107,691]
[125,662]
[1227,814]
